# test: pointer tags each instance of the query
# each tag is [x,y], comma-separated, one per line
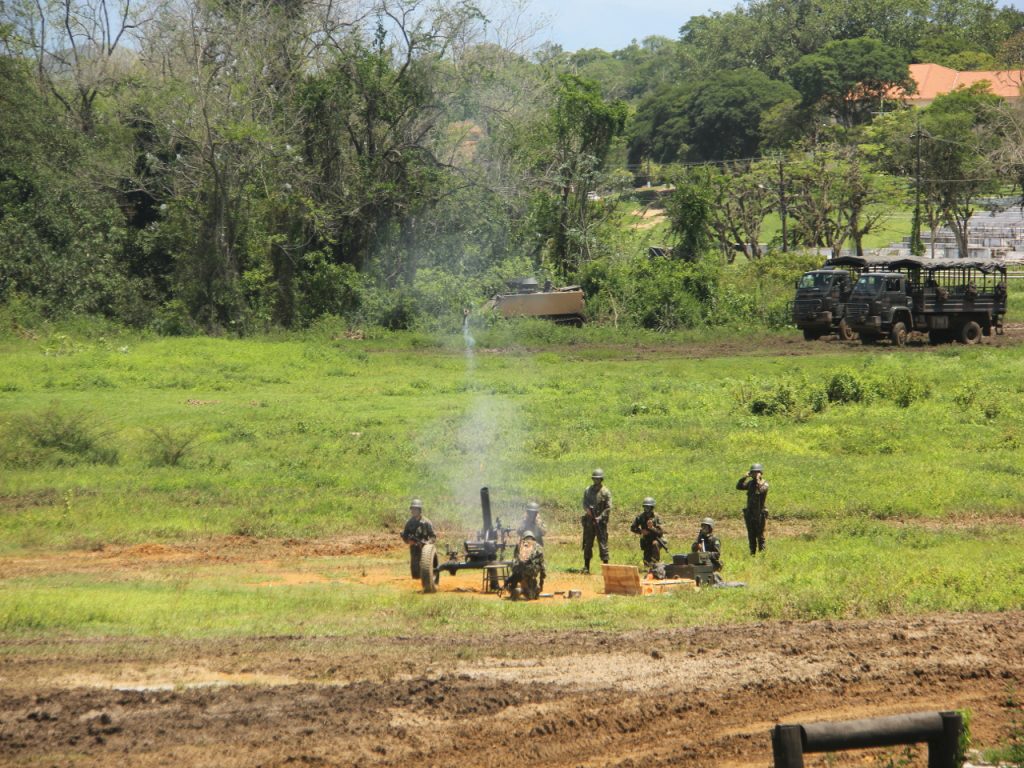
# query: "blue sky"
[611,24]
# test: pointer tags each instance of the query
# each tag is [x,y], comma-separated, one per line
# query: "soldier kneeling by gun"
[707,542]
[652,536]
[527,577]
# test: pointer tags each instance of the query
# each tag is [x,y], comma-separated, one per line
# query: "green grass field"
[905,498]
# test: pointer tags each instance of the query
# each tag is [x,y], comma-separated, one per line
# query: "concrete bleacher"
[996,234]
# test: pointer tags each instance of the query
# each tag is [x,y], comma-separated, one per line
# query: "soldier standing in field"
[706,541]
[754,514]
[532,522]
[648,526]
[417,532]
[597,508]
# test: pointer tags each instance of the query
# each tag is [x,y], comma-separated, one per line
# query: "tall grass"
[316,436]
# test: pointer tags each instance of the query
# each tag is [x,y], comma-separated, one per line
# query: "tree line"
[239,165]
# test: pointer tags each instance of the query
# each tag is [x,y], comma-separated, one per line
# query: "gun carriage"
[486,551]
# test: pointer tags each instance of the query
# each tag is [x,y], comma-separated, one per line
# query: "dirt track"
[693,696]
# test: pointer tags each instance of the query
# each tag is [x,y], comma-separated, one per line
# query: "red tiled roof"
[934,80]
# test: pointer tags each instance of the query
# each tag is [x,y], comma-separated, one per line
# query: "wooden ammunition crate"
[625,580]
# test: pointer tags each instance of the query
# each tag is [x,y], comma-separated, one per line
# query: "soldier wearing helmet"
[648,527]
[755,513]
[532,523]
[417,532]
[706,541]
[597,508]
[527,576]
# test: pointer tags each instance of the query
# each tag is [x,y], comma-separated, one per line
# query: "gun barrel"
[485,506]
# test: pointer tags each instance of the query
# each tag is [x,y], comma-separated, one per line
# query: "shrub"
[845,387]
[56,438]
[168,447]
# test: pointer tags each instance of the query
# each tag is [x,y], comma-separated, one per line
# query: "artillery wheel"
[844,332]
[970,333]
[429,575]
[898,335]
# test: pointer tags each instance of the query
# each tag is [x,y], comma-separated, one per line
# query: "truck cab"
[881,304]
[819,307]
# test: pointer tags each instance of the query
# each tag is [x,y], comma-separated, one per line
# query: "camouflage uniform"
[597,503]
[648,526]
[533,523]
[528,570]
[754,514]
[708,542]
[416,533]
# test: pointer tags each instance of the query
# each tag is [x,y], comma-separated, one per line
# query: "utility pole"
[916,246]
[782,204]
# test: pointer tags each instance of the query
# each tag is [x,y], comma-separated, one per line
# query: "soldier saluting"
[417,532]
[754,514]
[648,526]
[597,507]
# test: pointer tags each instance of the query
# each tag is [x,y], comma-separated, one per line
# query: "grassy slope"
[309,437]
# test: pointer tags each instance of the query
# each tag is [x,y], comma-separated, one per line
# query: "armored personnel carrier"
[527,298]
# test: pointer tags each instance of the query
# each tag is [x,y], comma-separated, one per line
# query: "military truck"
[819,307]
[528,299]
[949,299]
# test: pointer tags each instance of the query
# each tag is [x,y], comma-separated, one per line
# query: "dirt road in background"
[682,696]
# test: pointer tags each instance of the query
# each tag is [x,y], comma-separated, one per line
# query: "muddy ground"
[668,696]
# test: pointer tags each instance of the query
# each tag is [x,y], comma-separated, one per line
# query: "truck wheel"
[898,335]
[970,333]
[810,335]
[844,332]
[429,575]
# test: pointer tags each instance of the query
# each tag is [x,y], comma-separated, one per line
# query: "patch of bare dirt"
[667,696]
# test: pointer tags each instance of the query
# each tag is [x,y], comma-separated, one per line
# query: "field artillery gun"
[949,299]
[486,551]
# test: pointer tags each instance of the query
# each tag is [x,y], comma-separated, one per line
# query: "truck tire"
[844,332]
[429,575]
[970,333]
[898,335]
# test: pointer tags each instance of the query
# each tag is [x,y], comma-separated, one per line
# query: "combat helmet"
[648,502]
[528,535]
[756,468]
[708,522]
[597,474]
[533,506]
[416,504]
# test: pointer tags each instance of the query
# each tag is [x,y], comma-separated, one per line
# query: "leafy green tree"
[850,79]
[835,196]
[62,234]
[719,118]
[582,126]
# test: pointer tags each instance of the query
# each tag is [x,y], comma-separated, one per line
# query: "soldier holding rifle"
[597,507]
[648,526]
[417,532]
